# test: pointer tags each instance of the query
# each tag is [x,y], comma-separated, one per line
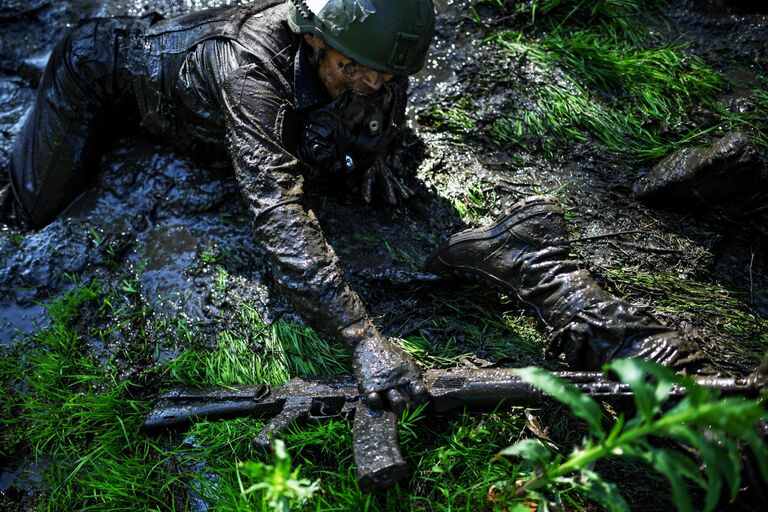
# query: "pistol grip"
[380,463]
[295,413]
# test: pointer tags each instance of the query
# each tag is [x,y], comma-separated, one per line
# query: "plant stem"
[590,455]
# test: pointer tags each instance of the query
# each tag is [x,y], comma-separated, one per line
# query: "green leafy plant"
[279,484]
[716,428]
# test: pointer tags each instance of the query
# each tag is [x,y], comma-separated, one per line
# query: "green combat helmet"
[390,36]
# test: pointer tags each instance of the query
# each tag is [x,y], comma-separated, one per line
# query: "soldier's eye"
[349,68]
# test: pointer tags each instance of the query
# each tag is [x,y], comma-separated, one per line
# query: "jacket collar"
[308,90]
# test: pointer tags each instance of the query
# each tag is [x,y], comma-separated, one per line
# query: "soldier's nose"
[373,79]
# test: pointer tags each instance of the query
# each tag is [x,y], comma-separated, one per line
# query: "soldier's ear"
[314,41]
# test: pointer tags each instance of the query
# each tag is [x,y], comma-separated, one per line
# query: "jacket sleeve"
[255,104]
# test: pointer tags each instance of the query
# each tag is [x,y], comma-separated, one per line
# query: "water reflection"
[165,7]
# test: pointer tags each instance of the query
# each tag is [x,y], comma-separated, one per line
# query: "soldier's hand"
[380,177]
[388,377]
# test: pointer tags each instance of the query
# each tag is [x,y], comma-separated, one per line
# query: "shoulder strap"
[179,34]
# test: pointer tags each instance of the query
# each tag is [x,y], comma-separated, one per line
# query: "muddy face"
[340,73]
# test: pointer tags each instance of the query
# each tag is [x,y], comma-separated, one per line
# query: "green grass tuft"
[557,73]
[632,100]
[259,353]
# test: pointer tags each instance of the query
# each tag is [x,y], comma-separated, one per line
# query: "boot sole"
[517,216]
[506,222]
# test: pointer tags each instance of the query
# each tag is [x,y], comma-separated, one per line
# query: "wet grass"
[556,73]
[475,202]
[741,331]
[450,463]
[71,412]
[454,119]
[632,101]
[753,113]
[259,353]
[465,323]
[74,418]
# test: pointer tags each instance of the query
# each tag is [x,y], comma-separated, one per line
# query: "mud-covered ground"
[158,217]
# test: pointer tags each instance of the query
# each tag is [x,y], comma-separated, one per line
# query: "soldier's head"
[361,44]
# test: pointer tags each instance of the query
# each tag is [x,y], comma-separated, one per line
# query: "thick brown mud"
[152,217]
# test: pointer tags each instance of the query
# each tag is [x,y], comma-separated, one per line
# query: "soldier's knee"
[81,63]
[82,44]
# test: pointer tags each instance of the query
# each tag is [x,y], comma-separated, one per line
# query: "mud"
[152,219]
[154,214]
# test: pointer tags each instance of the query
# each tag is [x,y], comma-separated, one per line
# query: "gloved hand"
[393,189]
[387,376]
[344,140]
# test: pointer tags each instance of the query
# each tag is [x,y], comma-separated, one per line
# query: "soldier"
[269,85]
[284,87]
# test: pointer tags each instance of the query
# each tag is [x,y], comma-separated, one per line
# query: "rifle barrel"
[487,388]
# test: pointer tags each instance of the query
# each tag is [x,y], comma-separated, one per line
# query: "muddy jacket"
[234,81]
[239,78]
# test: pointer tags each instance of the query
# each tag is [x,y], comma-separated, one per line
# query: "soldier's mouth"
[360,88]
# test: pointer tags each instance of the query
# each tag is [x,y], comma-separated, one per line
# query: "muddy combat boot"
[526,254]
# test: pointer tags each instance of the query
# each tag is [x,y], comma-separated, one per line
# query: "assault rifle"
[376,448]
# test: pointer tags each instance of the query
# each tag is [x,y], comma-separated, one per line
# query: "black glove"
[344,139]
[392,188]
[385,373]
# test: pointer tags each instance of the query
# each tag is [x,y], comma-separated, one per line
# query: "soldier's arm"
[256,106]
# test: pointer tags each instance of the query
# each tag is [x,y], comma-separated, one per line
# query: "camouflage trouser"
[85,91]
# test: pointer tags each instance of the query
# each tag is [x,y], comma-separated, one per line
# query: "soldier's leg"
[730,176]
[56,152]
[527,254]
